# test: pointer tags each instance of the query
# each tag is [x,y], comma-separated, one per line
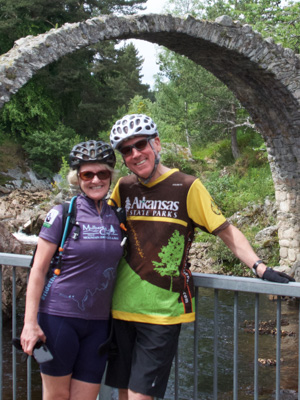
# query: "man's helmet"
[92,151]
[130,126]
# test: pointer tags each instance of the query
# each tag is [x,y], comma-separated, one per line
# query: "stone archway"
[264,76]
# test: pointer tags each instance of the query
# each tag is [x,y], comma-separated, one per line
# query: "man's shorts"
[74,344]
[144,356]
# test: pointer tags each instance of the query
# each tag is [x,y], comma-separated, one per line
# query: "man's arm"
[236,241]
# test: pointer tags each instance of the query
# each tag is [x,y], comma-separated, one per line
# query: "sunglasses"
[140,145]
[89,175]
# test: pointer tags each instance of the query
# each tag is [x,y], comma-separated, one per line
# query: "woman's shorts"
[74,344]
[144,355]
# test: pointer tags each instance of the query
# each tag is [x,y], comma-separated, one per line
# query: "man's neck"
[161,169]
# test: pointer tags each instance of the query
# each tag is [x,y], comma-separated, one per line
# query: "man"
[154,292]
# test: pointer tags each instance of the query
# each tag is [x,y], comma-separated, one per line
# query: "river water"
[267,350]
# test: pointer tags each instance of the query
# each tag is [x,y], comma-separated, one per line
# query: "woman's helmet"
[92,151]
[130,126]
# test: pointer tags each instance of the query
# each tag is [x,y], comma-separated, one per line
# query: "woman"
[70,311]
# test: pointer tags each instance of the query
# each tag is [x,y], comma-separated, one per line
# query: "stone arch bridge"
[264,76]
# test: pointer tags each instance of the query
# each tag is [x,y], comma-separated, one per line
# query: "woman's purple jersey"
[84,287]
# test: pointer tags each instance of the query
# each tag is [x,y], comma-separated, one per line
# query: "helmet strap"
[156,162]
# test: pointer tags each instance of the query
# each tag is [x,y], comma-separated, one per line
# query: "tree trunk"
[186,126]
[234,144]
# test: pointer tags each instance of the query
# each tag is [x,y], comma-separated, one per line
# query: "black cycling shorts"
[74,344]
[143,359]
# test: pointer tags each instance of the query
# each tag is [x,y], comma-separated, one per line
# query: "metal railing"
[239,285]
[217,284]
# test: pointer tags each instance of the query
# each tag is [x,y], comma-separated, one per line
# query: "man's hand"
[276,276]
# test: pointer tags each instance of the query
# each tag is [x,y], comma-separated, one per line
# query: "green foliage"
[19,18]
[191,102]
[272,18]
[81,91]
[232,192]
[223,154]
[64,169]
[224,260]
[46,149]
[31,109]
[140,105]
[63,172]
[170,256]
[173,160]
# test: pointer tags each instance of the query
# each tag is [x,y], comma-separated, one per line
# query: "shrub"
[173,160]
[46,149]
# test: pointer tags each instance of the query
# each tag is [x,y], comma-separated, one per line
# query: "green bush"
[46,149]
[173,160]
[233,192]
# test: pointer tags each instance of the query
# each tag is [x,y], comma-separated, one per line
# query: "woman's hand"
[31,333]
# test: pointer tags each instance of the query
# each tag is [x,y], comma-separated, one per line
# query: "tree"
[119,74]
[19,18]
[199,111]
[46,149]
[272,18]
[81,91]
[140,105]
[170,256]
[212,110]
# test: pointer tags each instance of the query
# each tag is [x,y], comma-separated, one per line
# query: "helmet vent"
[92,151]
[130,126]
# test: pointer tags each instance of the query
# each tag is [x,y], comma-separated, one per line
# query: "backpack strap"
[121,215]
[69,220]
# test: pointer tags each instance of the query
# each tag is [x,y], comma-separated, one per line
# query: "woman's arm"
[32,332]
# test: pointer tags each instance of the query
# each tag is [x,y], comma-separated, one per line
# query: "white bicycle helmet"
[130,126]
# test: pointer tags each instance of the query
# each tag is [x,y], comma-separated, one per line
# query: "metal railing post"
[278,349]
[1,340]
[216,335]
[14,333]
[235,347]
[256,336]
[298,350]
[196,338]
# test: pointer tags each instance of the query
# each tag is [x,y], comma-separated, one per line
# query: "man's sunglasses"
[89,175]
[140,145]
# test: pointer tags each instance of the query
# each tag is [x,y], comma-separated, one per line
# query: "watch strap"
[255,265]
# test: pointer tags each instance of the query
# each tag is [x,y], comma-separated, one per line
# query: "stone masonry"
[263,75]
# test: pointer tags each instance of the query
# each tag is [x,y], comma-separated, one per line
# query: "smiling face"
[141,162]
[95,188]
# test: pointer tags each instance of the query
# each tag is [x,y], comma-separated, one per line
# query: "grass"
[233,192]
[234,184]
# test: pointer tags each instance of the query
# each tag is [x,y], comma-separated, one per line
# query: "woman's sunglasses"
[140,145]
[89,175]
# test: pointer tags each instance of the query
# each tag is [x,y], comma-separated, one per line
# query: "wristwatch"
[255,265]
